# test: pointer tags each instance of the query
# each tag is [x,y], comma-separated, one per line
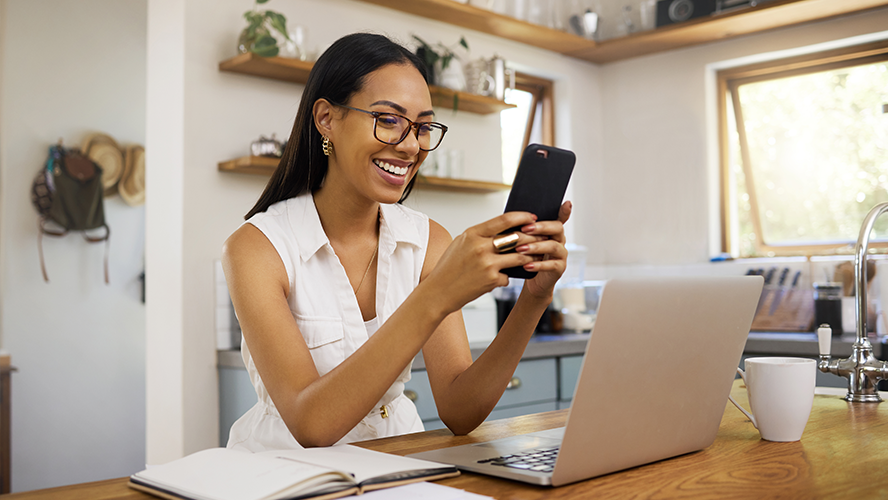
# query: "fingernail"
[522,248]
[530,267]
[528,228]
[534,217]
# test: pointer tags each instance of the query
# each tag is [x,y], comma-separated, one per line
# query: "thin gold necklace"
[372,258]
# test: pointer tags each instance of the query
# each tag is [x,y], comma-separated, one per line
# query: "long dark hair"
[337,75]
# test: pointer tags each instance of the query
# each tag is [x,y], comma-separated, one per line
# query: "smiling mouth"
[399,171]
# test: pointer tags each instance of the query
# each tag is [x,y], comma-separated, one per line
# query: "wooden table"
[843,454]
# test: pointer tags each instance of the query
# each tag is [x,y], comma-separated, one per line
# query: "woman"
[337,286]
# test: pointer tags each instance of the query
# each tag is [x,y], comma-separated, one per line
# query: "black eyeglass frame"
[413,126]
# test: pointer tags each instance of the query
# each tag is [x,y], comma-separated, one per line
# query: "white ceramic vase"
[452,77]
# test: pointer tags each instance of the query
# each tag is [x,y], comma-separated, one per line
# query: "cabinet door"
[568,373]
[420,392]
[534,381]
[236,396]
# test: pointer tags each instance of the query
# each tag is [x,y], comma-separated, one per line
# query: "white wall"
[78,405]
[165,364]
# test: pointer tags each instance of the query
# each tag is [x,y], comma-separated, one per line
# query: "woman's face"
[379,171]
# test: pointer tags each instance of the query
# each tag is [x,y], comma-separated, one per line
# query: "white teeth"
[391,168]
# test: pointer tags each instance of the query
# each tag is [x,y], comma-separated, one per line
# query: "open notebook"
[318,473]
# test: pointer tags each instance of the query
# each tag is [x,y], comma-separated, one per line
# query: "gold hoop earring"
[326,146]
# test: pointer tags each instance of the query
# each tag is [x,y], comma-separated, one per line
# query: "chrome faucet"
[862,369]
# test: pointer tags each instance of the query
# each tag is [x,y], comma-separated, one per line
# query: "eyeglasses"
[389,128]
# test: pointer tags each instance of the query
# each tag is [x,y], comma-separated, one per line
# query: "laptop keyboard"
[540,460]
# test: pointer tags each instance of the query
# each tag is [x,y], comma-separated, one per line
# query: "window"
[531,122]
[804,151]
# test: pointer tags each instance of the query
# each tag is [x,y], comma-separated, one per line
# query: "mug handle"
[491,84]
[486,84]
[748,414]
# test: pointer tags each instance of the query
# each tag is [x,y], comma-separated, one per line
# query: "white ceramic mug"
[781,394]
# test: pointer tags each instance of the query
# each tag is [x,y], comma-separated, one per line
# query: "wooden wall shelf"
[459,185]
[261,165]
[296,71]
[765,16]
[257,165]
[276,68]
[485,21]
[472,103]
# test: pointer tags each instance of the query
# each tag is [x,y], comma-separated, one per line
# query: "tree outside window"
[804,152]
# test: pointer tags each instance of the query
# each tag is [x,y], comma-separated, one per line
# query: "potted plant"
[257,36]
[437,59]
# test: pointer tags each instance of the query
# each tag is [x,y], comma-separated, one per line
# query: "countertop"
[555,345]
[738,464]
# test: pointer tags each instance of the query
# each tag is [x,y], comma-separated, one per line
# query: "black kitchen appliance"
[677,11]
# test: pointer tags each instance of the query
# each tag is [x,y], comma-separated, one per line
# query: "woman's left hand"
[550,250]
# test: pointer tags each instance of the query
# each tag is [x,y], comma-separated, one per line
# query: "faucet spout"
[860,267]
[862,369]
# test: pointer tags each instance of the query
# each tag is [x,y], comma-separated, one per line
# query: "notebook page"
[362,463]
[222,474]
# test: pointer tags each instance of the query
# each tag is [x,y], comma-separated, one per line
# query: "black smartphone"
[539,187]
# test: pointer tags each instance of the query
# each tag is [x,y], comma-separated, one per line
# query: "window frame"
[542,90]
[728,81]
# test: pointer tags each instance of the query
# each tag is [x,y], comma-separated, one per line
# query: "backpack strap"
[57,233]
[44,229]
[40,251]
[98,239]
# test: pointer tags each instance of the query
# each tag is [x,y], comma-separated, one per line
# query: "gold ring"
[505,242]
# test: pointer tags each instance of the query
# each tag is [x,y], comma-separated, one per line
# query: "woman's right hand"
[471,265]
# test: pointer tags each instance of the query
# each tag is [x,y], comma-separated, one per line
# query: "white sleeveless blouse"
[329,318]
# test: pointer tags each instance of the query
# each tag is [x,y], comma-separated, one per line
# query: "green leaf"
[265,46]
[269,52]
[265,41]
[423,42]
[429,56]
[278,22]
[463,42]
[261,1]
[254,23]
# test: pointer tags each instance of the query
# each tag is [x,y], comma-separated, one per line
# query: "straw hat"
[103,150]
[132,184]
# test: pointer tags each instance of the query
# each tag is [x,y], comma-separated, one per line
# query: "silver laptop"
[653,385]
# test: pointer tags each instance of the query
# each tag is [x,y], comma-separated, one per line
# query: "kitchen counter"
[549,345]
[540,346]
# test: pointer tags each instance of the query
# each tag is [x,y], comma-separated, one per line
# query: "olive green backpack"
[68,194]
